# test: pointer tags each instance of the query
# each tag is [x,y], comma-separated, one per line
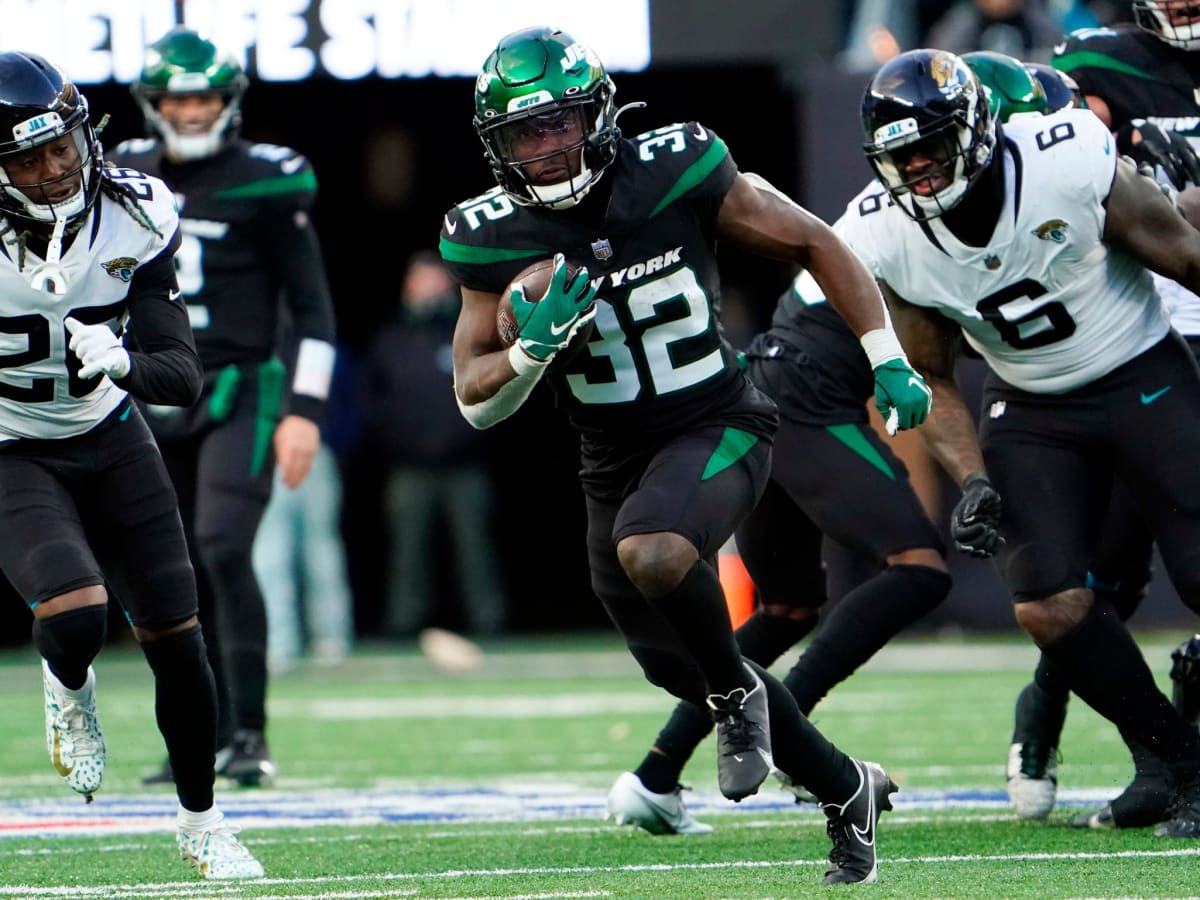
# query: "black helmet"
[930,99]
[39,105]
[1061,89]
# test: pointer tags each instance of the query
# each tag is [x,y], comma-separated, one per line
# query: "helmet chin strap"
[49,276]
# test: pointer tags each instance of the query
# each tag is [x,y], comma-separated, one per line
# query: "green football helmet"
[1010,88]
[536,83]
[182,62]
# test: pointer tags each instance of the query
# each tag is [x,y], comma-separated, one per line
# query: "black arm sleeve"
[293,244]
[164,368]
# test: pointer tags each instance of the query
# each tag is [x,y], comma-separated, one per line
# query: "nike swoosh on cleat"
[1147,399]
[866,836]
[557,330]
[56,758]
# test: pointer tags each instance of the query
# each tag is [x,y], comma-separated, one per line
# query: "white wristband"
[881,345]
[522,362]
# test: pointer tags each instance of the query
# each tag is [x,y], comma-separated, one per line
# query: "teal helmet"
[541,81]
[1010,88]
[182,62]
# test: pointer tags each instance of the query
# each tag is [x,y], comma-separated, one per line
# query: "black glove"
[1147,143]
[975,522]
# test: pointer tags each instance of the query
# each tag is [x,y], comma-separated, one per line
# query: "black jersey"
[810,363]
[1136,74]
[248,242]
[657,363]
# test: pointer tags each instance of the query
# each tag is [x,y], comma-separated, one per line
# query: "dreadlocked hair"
[124,195]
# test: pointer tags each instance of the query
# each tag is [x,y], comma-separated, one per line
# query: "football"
[535,278]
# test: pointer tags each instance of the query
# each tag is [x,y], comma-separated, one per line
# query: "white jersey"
[1046,303]
[41,394]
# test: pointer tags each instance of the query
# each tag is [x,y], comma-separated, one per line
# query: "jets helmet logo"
[120,267]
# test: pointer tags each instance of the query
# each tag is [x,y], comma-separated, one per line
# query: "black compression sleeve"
[165,368]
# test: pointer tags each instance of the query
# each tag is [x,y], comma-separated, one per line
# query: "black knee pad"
[1033,571]
[70,640]
[675,674]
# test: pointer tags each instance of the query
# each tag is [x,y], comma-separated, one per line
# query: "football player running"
[246,240]
[85,501]
[830,475]
[675,440]
[1031,242]
[1141,80]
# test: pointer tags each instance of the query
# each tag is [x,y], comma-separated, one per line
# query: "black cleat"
[851,827]
[246,760]
[743,739]
[1146,801]
[1183,817]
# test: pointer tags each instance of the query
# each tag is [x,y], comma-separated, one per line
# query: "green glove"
[552,323]
[901,395]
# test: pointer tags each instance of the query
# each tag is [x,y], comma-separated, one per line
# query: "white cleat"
[73,737]
[1032,779]
[631,803]
[217,853]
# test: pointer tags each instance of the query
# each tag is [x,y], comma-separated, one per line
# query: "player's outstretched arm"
[1144,222]
[762,219]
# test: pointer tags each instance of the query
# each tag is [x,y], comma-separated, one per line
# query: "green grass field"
[400,782]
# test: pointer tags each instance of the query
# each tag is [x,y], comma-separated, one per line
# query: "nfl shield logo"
[602,249]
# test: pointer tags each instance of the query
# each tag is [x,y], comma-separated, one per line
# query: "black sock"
[1040,716]
[800,751]
[185,705]
[865,619]
[1050,680]
[1106,670]
[696,610]
[244,637]
[674,746]
[765,638]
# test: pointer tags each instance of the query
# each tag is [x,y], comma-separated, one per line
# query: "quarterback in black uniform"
[246,239]
[86,506]
[1142,81]
[676,442]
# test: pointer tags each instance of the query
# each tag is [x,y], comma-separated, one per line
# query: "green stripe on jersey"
[693,175]
[301,183]
[482,256]
[1081,58]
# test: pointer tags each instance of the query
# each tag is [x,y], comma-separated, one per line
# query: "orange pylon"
[738,587]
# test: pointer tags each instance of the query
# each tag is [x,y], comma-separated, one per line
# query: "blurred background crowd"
[429,521]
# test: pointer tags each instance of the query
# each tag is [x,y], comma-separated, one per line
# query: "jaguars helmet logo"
[1052,230]
[120,267]
[948,73]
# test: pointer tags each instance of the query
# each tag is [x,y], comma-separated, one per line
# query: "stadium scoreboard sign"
[97,41]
